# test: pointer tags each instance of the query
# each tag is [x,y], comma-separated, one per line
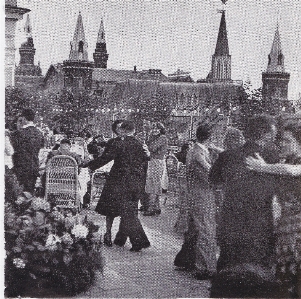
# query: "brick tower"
[275,80]
[221,60]
[100,55]
[78,70]
[27,73]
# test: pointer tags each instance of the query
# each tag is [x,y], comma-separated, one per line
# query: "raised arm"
[258,164]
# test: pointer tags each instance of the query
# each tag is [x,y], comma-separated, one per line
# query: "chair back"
[62,181]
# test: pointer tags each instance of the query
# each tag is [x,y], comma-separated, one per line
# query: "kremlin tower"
[78,69]
[26,73]
[100,55]
[275,80]
[221,60]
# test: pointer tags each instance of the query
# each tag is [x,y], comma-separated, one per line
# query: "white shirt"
[203,147]
[9,151]
[30,124]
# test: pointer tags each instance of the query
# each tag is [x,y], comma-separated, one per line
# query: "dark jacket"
[27,143]
[246,232]
[128,170]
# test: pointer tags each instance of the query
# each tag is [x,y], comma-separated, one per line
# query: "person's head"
[27,115]
[203,133]
[116,126]
[128,128]
[234,138]
[290,143]
[56,131]
[65,144]
[261,128]
[185,147]
[70,134]
[88,135]
[158,129]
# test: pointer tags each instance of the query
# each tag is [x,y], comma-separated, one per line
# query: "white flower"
[40,204]
[67,239]
[51,242]
[80,231]
[19,263]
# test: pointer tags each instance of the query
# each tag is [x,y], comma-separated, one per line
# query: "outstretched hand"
[146,150]
[255,163]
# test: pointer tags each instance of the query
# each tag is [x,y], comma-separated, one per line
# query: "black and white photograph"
[152,149]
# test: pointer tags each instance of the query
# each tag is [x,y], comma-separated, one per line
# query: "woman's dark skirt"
[109,203]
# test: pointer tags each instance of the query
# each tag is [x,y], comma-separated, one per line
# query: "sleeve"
[108,155]
[42,139]
[201,158]
[9,150]
[215,174]
[15,139]
[50,155]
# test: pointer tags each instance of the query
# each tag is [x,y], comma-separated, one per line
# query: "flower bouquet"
[48,249]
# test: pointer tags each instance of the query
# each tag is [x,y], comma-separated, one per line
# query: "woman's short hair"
[161,128]
[258,126]
[203,132]
[115,125]
[128,126]
[234,138]
[28,114]
[295,129]
[65,141]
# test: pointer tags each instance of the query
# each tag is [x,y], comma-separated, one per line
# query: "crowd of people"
[231,235]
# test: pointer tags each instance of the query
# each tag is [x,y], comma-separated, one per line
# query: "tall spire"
[27,52]
[101,33]
[101,55]
[275,80]
[221,60]
[79,46]
[222,47]
[27,27]
[276,58]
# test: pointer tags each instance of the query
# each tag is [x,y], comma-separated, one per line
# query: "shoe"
[137,248]
[119,243]
[107,240]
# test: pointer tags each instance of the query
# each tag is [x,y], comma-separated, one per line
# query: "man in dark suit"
[27,142]
[127,179]
[246,233]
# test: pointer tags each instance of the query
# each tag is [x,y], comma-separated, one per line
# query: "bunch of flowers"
[49,248]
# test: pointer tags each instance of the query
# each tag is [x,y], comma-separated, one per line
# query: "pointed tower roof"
[79,45]
[101,33]
[276,58]
[79,33]
[27,27]
[222,47]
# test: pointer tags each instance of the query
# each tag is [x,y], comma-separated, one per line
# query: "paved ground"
[149,273]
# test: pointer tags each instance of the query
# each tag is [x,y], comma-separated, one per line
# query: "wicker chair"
[62,182]
[97,184]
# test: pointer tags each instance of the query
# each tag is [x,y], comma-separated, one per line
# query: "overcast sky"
[171,34]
